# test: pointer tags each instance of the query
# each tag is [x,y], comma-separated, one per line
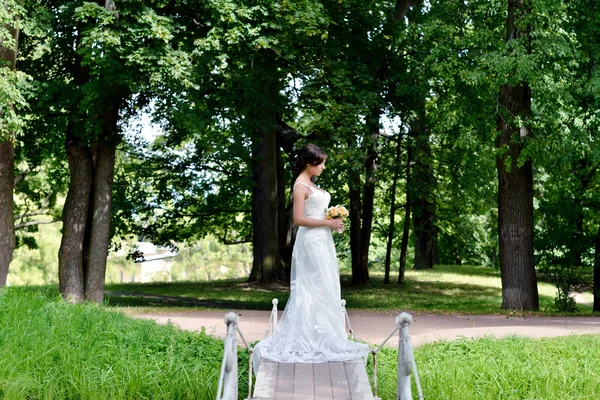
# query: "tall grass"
[53,350]
[564,368]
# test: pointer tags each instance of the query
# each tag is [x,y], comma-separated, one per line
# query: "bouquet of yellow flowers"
[336,212]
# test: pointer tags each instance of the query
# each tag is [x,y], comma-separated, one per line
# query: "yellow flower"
[343,211]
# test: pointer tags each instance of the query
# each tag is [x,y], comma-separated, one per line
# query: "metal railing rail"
[347,320]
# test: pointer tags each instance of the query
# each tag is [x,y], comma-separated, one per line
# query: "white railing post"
[272,319]
[228,380]
[274,315]
[374,352]
[406,360]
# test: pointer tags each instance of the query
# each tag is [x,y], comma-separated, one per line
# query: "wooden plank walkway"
[303,381]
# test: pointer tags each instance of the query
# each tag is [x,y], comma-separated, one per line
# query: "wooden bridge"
[311,381]
[332,380]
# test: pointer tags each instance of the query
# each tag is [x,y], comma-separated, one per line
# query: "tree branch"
[22,176]
[27,215]
[207,214]
[32,223]
[246,239]
[402,7]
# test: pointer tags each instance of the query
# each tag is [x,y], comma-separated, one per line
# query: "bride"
[312,327]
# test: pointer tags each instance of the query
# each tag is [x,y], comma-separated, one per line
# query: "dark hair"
[309,154]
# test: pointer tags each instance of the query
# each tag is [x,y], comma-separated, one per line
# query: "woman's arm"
[301,192]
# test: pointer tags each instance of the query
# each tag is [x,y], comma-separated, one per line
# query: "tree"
[515,183]
[103,62]
[9,124]
[87,211]
[538,53]
[393,207]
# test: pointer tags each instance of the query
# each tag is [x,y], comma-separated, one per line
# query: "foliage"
[37,264]
[568,181]
[210,259]
[13,83]
[205,260]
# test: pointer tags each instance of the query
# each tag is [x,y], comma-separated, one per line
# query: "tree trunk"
[515,190]
[423,239]
[99,239]
[87,212]
[7,175]
[515,210]
[98,228]
[283,221]
[75,217]
[435,251]
[392,227]
[406,228]
[359,274]
[369,193]
[596,288]
[265,239]
[423,207]
[265,205]
[75,211]
[7,222]
[286,139]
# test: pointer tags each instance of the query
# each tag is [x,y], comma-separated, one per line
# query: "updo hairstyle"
[309,154]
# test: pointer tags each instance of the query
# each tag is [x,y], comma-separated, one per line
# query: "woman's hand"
[336,224]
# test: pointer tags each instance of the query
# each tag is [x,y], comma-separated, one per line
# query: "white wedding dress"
[312,327]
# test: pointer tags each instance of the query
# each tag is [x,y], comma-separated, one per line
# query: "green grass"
[462,289]
[53,350]
[564,368]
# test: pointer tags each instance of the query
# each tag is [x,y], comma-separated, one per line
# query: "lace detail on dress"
[317,202]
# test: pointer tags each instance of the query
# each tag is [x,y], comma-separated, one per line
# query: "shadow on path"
[133,299]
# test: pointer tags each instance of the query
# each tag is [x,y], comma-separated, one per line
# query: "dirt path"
[374,327]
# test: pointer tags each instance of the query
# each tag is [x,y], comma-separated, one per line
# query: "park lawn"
[50,349]
[563,368]
[461,289]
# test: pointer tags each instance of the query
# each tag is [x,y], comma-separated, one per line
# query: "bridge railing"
[347,320]
[406,360]
[228,379]
[272,319]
